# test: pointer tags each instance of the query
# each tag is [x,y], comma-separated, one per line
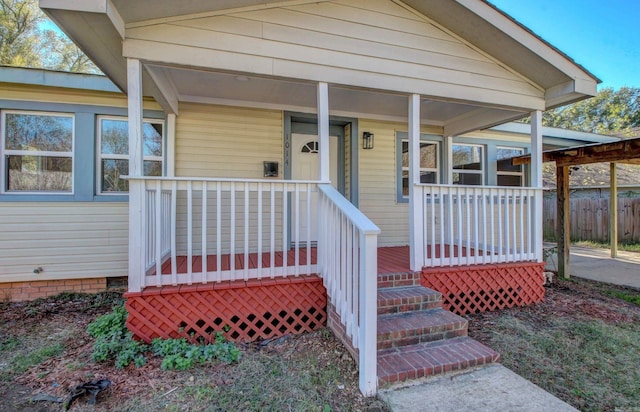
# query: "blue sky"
[602,36]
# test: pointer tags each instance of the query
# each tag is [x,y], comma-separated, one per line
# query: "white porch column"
[536,180]
[136,188]
[171,145]
[416,217]
[323,131]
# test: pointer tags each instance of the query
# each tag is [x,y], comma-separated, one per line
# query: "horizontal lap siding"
[377,178]
[356,42]
[32,93]
[220,141]
[227,142]
[68,240]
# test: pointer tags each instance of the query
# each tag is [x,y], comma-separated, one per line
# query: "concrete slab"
[491,388]
[597,264]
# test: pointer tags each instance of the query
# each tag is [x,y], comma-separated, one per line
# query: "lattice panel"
[251,310]
[481,288]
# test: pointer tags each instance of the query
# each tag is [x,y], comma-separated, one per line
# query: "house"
[299,162]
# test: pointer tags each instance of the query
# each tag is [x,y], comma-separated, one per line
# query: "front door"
[304,166]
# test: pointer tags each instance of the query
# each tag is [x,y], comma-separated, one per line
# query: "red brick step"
[410,328]
[407,299]
[400,364]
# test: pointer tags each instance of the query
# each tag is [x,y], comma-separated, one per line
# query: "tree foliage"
[26,41]
[611,112]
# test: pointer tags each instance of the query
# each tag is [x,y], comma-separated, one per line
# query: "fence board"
[590,219]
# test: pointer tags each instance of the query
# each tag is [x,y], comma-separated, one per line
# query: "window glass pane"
[509,180]
[467,157]
[38,132]
[405,183]
[428,177]
[467,179]
[115,137]
[152,168]
[112,169]
[39,173]
[428,155]
[405,154]
[504,155]
[152,133]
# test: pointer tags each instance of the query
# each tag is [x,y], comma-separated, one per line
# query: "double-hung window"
[37,152]
[508,174]
[429,164]
[467,164]
[113,152]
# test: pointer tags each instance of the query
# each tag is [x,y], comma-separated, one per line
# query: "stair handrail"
[348,245]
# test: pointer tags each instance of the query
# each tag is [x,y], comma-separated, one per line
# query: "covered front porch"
[218,232]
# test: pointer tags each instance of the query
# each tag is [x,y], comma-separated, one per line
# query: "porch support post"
[416,217]
[171,145]
[613,210]
[323,131]
[536,181]
[136,188]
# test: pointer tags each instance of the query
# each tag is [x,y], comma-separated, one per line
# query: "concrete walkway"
[597,264]
[487,389]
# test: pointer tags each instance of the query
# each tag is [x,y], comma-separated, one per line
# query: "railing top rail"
[478,187]
[359,219]
[221,179]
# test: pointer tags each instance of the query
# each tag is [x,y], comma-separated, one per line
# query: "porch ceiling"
[236,89]
[99,28]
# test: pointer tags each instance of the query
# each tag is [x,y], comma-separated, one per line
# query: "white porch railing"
[469,225]
[214,228]
[347,260]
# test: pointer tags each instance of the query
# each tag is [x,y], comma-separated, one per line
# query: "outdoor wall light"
[367,140]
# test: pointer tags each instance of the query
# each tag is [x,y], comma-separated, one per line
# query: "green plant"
[113,340]
[180,354]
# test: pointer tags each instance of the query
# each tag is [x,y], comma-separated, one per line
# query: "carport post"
[563,233]
[613,210]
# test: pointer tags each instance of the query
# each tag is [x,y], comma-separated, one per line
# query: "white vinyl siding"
[377,173]
[226,142]
[222,141]
[365,43]
[66,240]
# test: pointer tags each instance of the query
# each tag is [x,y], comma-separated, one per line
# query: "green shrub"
[180,355]
[114,341]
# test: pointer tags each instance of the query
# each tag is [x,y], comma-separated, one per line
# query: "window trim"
[483,163]
[505,173]
[100,156]
[7,152]
[424,138]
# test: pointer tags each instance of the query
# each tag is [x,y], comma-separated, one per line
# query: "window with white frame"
[429,164]
[467,164]
[37,152]
[113,152]
[508,174]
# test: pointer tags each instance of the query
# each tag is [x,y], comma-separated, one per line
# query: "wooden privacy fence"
[590,219]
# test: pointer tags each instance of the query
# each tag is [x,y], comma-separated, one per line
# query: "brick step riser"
[408,337]
[418,361]
[386,308]
[394,280]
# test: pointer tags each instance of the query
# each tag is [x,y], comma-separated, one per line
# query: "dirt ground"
[307,372]
[44,349]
